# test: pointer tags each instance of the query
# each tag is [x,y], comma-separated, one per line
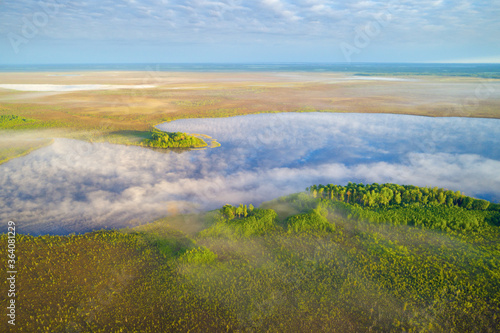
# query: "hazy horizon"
[485,70]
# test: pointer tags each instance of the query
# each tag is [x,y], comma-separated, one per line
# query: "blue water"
[480,70]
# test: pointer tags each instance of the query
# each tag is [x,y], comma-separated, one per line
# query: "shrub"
[312,221]
[257,222]
[199,255]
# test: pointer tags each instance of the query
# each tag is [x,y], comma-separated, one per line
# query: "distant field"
[194,95]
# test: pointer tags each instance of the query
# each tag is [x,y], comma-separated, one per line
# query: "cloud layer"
[73,186]
[428,25]
[161,18]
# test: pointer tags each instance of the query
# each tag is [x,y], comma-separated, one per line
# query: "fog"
[75,186]
[70,87]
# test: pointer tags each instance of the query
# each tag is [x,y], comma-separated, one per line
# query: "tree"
[228,212]
[342,194]
[441,198]
[386,195]
[239,210]
[467,202]
[397,198]
[480,204]
[425,199]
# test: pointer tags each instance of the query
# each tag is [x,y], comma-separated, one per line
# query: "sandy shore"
[70,87]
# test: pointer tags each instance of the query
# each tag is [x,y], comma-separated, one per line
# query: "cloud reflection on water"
[74,186]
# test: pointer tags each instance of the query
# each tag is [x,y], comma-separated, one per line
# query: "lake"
[75,186]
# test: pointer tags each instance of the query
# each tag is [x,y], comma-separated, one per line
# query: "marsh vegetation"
[174,96]
[353,258]
[304,262]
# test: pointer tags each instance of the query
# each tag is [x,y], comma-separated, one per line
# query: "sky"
[260,31]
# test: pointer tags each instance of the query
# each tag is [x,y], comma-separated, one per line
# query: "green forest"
[354,258]
[433,208]
[161,139]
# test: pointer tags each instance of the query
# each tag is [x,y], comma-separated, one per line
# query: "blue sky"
[162,31]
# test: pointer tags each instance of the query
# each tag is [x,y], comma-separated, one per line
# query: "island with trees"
[160,139]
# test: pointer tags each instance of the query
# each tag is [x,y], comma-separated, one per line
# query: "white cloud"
[278,7]
[174,20]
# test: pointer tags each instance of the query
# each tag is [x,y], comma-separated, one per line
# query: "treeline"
[438,217]
[230,212]
[161,139]
[376,195]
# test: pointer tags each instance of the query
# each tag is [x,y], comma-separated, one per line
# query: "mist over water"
[74,186]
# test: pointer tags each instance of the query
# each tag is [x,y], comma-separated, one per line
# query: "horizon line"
[256,63]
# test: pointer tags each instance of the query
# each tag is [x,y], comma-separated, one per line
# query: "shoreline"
[117,139]
[168,95]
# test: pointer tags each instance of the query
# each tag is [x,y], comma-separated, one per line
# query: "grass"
[194,104]
[223,95]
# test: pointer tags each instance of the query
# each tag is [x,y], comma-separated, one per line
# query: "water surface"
[74,186]
[474,70]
